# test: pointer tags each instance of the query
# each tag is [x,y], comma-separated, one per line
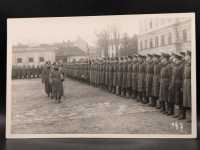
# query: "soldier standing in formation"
[119,76]
[115,63]
[26,72]
[129,76]
[134,78]
[187,87]
[149,79]
[141,78]
[156,80]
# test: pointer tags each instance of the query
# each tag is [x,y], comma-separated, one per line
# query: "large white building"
[164,35]
[23,55]
[32,55]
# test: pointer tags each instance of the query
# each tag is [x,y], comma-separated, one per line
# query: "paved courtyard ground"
[85,109]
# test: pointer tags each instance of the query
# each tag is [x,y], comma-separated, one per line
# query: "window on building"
[184,35]
[170,38]
[156,41]
[163,40]
[146,44]
[30,59]
[41,59]
[19,60]
[151,43]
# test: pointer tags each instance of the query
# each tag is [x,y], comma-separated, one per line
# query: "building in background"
[69,54]
[32,55]
[39,54]
[164,35]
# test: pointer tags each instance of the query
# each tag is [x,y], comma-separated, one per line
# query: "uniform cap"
[189,53]
[165,55]
[130,57]
[149,55]
[182,53]
[144,56]
[178,56]
[156,55]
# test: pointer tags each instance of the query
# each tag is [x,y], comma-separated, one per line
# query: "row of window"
[162,38]
[30,60]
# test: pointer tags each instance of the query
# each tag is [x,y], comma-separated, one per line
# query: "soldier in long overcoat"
[46,79]
[99,73]
[119,75]
[141,78]
[134,76]
[156,79]
[110,81]
[170,103]
[115,67]
[94,72]
[57,86]
[149,78]
[164,82]
[177,85]
[23,72]
[102,72]
[61,70]
[13,72]
[90,70]
[129,76]
[107,73]
[187,86]
[20,72]
[124,76]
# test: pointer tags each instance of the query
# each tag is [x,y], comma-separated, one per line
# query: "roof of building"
[59,50]
[69,51]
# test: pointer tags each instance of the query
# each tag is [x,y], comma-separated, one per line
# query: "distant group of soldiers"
[26,72]
[52,76]
[162,81]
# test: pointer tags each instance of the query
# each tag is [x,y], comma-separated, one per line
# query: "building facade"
[32,56]
[159,35]
[24,55]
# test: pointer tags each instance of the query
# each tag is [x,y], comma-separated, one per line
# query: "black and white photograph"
[115,76]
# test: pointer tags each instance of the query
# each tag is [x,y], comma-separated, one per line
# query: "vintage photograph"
[117,76]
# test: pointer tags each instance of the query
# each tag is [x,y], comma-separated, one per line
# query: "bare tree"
[124,45]
[115,39]
[128,45]
[103,42]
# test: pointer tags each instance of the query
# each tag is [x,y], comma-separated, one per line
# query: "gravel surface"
[85,109]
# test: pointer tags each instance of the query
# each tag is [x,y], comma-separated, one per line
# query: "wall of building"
[36,55]
[174,35]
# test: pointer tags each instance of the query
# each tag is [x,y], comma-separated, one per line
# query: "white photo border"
[193,134]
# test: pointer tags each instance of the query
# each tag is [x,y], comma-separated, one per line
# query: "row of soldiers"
[161,81]
[26,72]
[52,76]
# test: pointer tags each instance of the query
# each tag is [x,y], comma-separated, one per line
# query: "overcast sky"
[50,30]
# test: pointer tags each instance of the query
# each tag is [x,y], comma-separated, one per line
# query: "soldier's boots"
[134,95]
[129,92]
[182,114]
[153,101]
[145,100]
[114,90]
[139,99]
[162,107]
[176,111]
[119,91]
